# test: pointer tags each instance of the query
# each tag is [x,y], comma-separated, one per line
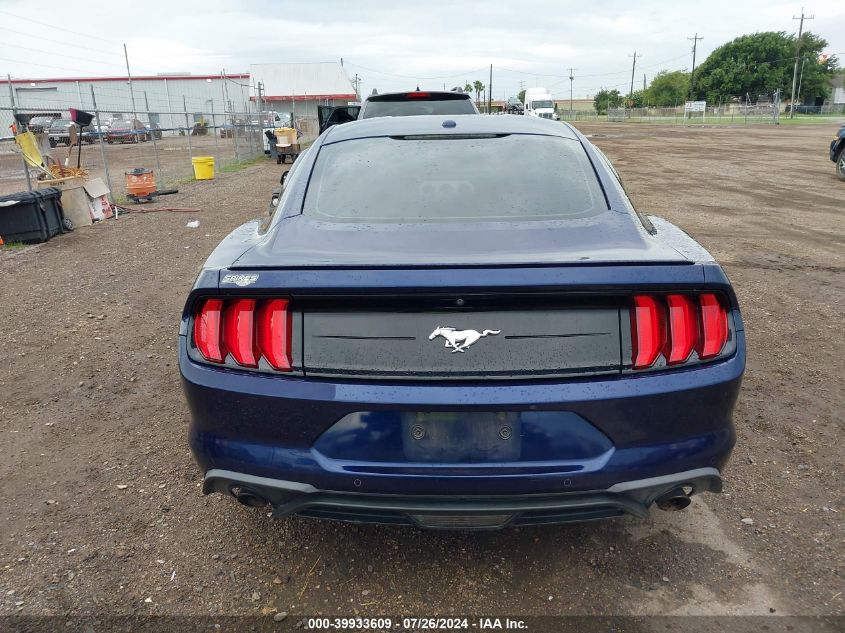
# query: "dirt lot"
[102,511]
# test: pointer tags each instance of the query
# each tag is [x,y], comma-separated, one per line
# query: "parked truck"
[538,102]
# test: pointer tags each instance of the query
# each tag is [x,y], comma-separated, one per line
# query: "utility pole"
[633,69]
[129,77]
[800,79]
[695,39]
[490,92]
[797,56]
[643,82]
[571,79]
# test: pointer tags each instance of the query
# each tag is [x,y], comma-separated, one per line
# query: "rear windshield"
[416,107]
[453,179]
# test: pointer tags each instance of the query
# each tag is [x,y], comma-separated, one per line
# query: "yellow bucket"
[203,167]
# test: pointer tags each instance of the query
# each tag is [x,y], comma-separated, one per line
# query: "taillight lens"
[714,326]
[683,328]
[239,332]
[246,329]
[674,325]
[648,331]
[274,333]
[208,331]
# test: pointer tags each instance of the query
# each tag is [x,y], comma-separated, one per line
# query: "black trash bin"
[51,207]
[34,216]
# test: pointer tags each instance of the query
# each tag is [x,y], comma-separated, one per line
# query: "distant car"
[40,123]
[416,103]
[126,132]
[59,132]
[514,106]
[837,152]
[153,131]
[422,333]
[97,131]
[227,130]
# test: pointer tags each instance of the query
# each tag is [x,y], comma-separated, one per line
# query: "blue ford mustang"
[460,323]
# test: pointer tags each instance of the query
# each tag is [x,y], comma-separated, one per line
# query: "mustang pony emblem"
[459,340]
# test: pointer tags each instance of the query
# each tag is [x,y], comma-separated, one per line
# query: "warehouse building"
[181,99]
[168,98]
[300,88]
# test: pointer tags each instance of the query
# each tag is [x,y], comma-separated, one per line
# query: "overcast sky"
[391,44]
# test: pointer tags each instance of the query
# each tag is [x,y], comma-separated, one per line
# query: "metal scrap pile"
[59,171]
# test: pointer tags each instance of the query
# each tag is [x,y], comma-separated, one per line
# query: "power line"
[64,55]
[42,24]
[41,38]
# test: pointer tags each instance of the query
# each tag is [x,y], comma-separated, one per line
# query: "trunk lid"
[611,237]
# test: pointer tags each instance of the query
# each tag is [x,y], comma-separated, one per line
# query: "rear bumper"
[462,512]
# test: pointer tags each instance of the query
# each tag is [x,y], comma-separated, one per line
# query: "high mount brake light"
[246,329]
[418,95]
[674,325]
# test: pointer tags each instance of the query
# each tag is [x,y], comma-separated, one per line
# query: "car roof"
[433,124]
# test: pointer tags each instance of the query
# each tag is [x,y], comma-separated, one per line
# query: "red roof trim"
[305,97]
[138,78]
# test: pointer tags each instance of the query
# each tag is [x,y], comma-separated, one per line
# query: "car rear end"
[530,377]
[837,152]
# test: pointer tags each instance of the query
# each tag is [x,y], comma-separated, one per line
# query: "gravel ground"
[102,506]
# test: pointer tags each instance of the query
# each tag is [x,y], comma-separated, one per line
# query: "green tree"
[636,100]
[468,88]
[605,99]
[761,63]
[668,88]
[521,96]
[478,87]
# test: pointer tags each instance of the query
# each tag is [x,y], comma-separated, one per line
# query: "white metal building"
[299,88]
[197,95]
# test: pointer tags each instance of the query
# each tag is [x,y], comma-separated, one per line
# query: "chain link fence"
[163,140]
[737,112]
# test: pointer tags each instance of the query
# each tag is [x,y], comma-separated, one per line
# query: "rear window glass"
[417,107]
[514,177]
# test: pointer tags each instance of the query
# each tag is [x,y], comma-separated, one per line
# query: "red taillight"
[714,326]
[647,331]
[675,325]
[247,329]
[683,328]
[239,332]
[418,95]
[207,331]
[274,333]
